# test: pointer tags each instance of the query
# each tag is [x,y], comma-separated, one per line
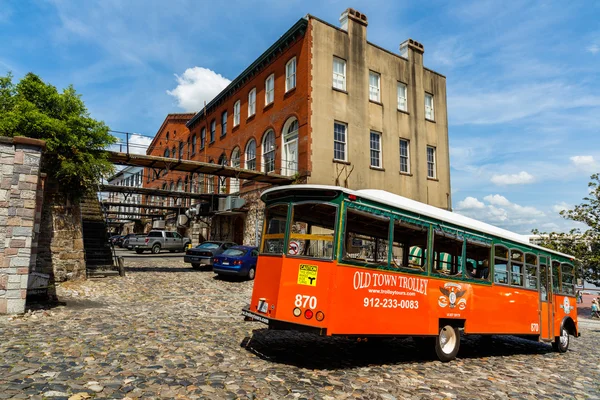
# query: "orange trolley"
[365,263]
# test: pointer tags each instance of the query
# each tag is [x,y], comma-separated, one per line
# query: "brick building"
[324,106]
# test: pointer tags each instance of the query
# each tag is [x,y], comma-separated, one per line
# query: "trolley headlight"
[297,312]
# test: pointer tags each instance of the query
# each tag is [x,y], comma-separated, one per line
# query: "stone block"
[18,231]
[22,185]
[28,194]
[16,243]
[26,212]
[29,204]
[6,183]
[27,223]
[14,279]
[13,221]
[12,286]
[3,194]
[11,252]
[17,262]
[77,244]
[7,170]
[24,252]
[19,156]
[22,169]
[32,159]
[15,306]
[24,280]
[22,271]
[3,307]
[3,281]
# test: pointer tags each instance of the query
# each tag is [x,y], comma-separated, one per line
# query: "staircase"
[100,258]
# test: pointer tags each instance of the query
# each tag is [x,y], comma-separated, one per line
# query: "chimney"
[411,46]
[354,15]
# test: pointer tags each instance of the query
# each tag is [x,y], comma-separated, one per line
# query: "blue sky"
[523,78]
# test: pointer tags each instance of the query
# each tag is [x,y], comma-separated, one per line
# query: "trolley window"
[567,278]
[409,247]
[447,249]
[312,230]
[366,238]
[500,265]
[274,230]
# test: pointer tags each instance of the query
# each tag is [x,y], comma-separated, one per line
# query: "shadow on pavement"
[317,352]
[160,269]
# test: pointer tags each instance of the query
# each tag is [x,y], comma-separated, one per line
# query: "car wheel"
[156,249]
[251,273]
[195,266]
[561,343]
[447,343]
[139,251]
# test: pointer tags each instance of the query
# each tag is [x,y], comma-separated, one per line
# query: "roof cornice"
[298,29]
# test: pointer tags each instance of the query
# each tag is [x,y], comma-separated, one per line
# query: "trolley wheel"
[447,343]
[251,273]
[156,249]
[139,251]
[561,343]
[195,266]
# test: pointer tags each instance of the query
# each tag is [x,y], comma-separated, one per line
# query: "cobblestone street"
[167,331]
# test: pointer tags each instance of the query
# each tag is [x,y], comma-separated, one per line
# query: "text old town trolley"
[370,263]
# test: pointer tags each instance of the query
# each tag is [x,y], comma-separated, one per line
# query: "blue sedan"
[237,260]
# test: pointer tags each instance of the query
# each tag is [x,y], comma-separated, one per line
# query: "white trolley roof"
[403,203]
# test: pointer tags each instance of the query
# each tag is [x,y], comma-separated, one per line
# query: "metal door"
[545,295]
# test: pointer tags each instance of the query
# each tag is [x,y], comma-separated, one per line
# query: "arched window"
[289,155]
[166,154]
[251,155]
[221,180]
[171,199]
[194,183]
[234,183]
[174,152]
[268,151]
[179,189]
[193,145]
[211,181]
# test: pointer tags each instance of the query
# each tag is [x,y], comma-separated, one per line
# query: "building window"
[339,141]
[166,153]
[404,156]
[431,162]
[290,147]
[174,152]
[375,145]
[429,107]
[213,129]
[251,155]
[221,180]
[402,103]
[270,89]
[202,138]
[181,148]
[268,151]
[236,114]
[234,183]
[339,73]
[223,123]
[374,91]
[252,102]
[194,140]
[290,74]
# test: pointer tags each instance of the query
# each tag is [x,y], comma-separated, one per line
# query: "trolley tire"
[195,266]
[251,273]
[447,343]
[561,343]
[139,251]
[156,249]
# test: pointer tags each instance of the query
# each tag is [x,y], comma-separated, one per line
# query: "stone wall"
[20,159]
[60,246]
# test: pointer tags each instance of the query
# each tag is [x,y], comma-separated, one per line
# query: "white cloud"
[470,203]
[594,49]
[196,86]
[138,144]
[497,200]
[562,206]
[515,179]
[586,163]
[499,211]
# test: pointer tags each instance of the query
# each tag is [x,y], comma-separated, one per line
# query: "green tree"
[75,142]
[585,246]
